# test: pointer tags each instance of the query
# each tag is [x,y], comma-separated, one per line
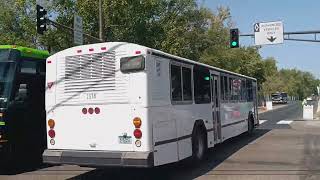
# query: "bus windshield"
[4,54]
[6,77]
[7,66]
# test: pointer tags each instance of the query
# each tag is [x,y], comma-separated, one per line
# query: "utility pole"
[101,20]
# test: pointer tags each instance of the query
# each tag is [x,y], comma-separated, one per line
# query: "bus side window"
[243,90]
[202,91]
[222,87]
[176,90]
[249,90]
[226,93]
[187,88]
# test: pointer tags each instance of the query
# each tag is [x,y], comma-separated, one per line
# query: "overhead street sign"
[78,30]
[268,33]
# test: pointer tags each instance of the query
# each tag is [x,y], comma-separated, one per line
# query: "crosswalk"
[284,122]
[261,121]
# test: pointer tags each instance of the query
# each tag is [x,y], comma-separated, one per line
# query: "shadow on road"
[181,170]
[20,168]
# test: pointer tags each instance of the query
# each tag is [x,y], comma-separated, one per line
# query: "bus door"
[215,86]
[255,101]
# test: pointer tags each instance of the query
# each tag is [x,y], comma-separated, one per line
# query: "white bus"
[123,104]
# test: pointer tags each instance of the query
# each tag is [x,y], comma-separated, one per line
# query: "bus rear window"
[129,64]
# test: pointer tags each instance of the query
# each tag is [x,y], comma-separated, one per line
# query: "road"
[284,147]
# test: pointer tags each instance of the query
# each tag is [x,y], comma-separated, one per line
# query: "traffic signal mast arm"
[294,33]
[61,26]
[42,22]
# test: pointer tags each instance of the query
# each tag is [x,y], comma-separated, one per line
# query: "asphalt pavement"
[283,147]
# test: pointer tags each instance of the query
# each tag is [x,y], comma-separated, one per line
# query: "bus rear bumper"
[99,158]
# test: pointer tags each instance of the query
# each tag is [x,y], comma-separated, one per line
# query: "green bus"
[22,109]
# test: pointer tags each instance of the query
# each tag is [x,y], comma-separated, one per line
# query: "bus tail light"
[51,123]
[137,122]
[84,110]
[97,110]
[52,142]
[137,133]
[90,110]
[138,143]
[52,133]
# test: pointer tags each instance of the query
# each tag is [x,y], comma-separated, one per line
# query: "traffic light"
[41,19]
[234,38]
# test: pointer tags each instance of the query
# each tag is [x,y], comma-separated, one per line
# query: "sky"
[296,15]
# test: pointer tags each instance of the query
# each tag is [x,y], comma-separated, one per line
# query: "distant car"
[279,98]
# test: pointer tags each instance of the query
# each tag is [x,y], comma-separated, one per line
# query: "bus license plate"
[125,140]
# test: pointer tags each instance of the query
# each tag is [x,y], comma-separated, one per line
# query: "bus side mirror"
[22,93]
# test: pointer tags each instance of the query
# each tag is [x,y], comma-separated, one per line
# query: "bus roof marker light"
[103,48]
[90,110]
[91,49]
[138,52]
[79,51]
[49,62]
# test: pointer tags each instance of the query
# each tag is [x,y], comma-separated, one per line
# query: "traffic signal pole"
[101,22]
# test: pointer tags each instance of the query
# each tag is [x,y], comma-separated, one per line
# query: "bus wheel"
[199,145]
[250,125]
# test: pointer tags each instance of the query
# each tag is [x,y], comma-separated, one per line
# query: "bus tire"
[250,125]
[199,144]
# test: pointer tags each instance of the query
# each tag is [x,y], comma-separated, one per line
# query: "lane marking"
[262,121]
[284,122]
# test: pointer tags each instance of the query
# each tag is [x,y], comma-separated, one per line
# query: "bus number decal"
[91,96]
[88,96]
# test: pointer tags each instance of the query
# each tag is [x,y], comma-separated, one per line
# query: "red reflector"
[79,51]
[138,52]
[91,49]
[52,133]
[84,110]
[103,48]
[90,110]
[50,84]
[137,133]
[97,110]
[49,62]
